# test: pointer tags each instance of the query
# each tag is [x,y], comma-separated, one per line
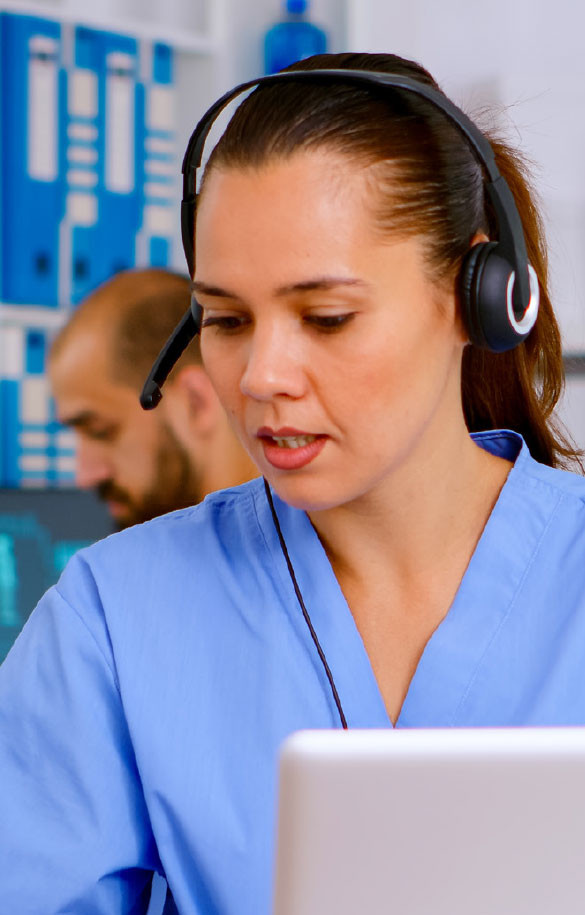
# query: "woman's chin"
[308,496]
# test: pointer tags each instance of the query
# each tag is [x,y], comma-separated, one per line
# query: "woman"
[393,570]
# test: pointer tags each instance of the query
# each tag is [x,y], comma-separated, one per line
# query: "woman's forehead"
[295,219]
[300,197]
[314,169]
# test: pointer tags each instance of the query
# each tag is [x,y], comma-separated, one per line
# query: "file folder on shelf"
[103,178]
[120,203]
[35,450]
[154,242]
[80,235]
[33,96]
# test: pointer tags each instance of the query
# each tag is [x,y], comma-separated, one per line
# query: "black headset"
[498,287]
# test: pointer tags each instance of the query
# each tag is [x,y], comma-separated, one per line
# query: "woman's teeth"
[293,441]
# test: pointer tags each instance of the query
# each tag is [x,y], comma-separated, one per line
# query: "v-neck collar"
[330,615]
[448,666]
[453,656]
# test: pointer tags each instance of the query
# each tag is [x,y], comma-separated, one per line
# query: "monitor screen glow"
[39,532]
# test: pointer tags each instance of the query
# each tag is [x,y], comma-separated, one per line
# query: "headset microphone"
[499,289]
[179,340]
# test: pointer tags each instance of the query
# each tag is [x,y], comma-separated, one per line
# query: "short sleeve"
[74,830]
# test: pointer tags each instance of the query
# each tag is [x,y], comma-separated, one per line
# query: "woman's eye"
[226,323]
[329,322]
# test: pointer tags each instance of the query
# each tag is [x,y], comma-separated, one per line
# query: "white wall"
[571,409]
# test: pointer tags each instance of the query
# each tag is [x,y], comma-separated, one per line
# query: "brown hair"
[428,183]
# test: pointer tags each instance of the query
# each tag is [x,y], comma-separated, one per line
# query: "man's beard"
[176,484]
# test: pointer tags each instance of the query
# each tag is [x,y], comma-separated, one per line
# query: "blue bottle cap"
[296,6]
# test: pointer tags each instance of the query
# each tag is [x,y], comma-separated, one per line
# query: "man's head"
[142,464]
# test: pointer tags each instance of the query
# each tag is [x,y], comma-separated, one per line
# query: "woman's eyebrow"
[321,283]
[206,289]
[318,284]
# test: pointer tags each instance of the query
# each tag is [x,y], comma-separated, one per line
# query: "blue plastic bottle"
[293,39]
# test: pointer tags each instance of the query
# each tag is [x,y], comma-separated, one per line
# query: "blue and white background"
[87,150]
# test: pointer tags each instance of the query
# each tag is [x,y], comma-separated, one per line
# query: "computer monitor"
[39,531]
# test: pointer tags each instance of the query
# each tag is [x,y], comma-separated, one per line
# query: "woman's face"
[334,354]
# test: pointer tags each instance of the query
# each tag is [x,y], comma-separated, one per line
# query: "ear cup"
[486,283]
[471,269]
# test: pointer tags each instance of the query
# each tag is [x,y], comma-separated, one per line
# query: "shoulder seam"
[562,491]
[95,641]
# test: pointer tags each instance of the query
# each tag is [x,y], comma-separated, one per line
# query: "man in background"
[141,463]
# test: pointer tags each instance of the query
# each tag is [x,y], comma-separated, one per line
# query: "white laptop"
[432,822]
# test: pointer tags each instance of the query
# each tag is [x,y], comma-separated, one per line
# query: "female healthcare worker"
[393,570]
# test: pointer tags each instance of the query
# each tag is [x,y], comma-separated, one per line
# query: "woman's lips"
[290,449]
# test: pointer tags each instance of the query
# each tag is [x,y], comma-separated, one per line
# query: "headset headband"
[510,232]
[510,242]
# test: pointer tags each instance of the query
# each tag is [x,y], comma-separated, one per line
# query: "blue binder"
[84,153]
[158,197]
[33,97]
[123,104]
[104,169]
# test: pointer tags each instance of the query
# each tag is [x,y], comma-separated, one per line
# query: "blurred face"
[335,355]
[129,457]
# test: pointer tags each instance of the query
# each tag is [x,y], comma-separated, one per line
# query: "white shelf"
[50,317]
[103,16]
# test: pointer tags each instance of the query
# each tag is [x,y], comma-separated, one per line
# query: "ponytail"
[519,389]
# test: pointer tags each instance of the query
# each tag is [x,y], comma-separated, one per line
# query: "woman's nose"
[275,365]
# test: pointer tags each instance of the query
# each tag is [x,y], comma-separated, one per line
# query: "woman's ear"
[477,238]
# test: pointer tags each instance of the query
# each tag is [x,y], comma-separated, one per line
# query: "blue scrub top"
[142,707]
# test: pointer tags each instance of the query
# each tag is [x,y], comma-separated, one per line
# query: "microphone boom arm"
[179,340]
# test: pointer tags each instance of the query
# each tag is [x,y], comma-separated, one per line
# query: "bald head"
[130,317]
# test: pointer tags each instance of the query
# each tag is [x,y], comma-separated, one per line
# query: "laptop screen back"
[432,822]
